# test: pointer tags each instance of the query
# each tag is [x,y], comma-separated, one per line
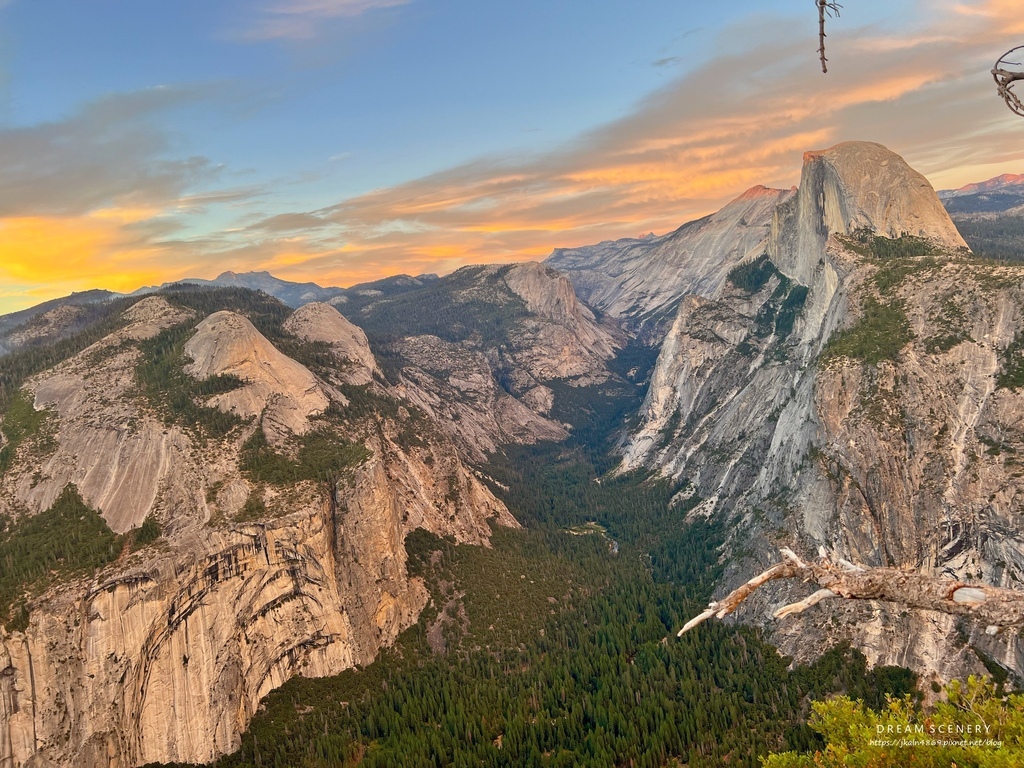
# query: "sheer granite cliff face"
[640,281]
[903,459]
[164,655]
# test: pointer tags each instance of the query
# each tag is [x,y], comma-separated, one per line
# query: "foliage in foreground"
[974,727]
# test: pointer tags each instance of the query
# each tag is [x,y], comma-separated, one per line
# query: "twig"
[826,8]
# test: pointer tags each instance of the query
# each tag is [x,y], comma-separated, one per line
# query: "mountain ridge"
[839,393]
[281,470]
[834,370]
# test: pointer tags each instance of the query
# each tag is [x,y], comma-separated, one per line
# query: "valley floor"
[553,649]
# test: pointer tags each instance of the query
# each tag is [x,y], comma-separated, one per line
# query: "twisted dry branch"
[995,607]
[1006,72]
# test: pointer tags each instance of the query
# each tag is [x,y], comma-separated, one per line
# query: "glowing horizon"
[191,169]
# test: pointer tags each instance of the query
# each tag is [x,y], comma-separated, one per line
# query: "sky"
[341,141]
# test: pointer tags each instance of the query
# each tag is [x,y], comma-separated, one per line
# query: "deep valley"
[459,520]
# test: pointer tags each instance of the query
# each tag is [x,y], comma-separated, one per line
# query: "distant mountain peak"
[758,191]
[995,184]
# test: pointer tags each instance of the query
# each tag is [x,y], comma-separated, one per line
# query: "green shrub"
[21,422]
[67,539]
[1011,373]
[324,456]
[856,734]
[790,310]
[754,275]
[321,456]
[879,334]
[867,243]
[253,509]
[146,533]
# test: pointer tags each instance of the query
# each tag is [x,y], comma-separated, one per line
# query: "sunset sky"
[340,141]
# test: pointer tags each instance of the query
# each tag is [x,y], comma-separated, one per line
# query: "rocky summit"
[642,281]
[844,391]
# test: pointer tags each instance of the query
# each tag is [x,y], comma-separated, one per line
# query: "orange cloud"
[1004,15]
[701,141]
[61,254]
[742,119]
[76,249]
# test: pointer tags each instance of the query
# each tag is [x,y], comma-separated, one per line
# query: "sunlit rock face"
[905,458]
[280,391]
[323,323]
[118,458]
[164,655]
[641,281]
[905,461]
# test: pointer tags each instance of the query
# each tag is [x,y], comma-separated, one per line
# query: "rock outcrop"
[892,446]
[164,655]
[119,459]
[481,351]
[571,330]
[278,389]
[851,186]
[553,335]
[322,322]
[457,388]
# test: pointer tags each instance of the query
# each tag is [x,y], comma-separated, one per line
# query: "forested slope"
[556,646]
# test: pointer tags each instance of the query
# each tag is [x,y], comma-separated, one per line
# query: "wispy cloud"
[690,147]
[743,118]
[107,152]
[302,19]
[98,198]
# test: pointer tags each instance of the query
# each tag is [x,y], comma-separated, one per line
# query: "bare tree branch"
[826,8]
[1005,78]
[995,607]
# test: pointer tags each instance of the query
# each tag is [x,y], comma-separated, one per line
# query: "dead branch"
[826,8]
[1005,78]
[995,607]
